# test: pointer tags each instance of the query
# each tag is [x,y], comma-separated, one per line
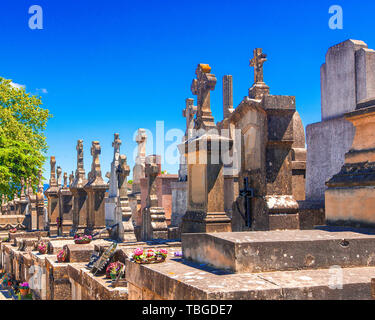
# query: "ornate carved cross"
[95,166]
[123,172]
[189,113]
[152,171]
[257,63]
[201,87]
[71,179]
[58,173]
[141,139]
[116,144]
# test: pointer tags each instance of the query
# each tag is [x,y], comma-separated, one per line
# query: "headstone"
[153,216]
[139,168]
[32,208]
[16,203]
[347,77]
[113,192]
[22,200]
[66,208]
[350,197]
[96,189]
[79,194]
[53,200]
[205,209]
[179,189]
[40,207]
[123,211]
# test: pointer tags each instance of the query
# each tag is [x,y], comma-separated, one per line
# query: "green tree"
[22,142]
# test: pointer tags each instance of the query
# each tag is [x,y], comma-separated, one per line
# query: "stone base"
[200,222]
[280,250]
[284,222]
[154,224]
[191,281]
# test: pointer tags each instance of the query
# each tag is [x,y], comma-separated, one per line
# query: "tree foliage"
[22,142]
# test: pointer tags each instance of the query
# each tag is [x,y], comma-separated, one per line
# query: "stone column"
[205,205]
[23,200]
[96,189]
[227,96]
[79,193]
[66,208]
[53,200]
[123,210]
[40,207]
[154,225]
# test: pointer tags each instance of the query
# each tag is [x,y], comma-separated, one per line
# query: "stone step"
[253,252]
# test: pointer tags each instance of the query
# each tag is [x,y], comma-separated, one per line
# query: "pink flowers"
[138,252]
[24,285]
[61,256]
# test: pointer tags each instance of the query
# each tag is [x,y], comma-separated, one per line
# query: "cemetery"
[293,219]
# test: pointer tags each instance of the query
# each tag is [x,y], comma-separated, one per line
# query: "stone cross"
[40,185]
[52,180]
[71,178]
[257,63]
[201,87]
[58,173]
[123,172]
[189,113]
[153,169]
[141,140]
[23,195]
[65,180]
[80,178]
[95,166]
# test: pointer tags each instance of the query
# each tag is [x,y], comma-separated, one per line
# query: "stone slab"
[181,280]
[79,252]
[243,252]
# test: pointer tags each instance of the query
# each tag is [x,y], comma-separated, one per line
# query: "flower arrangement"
[14,230]
[82,239]
[24,288]
[61,256]
[42,248]
[114,269]
[149,256]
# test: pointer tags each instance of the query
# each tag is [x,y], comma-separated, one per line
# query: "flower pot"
[24,292]
[82,241]
[42,251]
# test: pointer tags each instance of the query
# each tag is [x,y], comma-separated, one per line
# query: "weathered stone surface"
[79,252]
[177,280]
[280,250]
[350,193]
[327,143]
[53,200]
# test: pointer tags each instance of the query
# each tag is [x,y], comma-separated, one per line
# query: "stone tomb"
[350,197]
[273,158]
[205,204]
[264,265]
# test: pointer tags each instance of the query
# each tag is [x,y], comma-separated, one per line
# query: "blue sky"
[114,66]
